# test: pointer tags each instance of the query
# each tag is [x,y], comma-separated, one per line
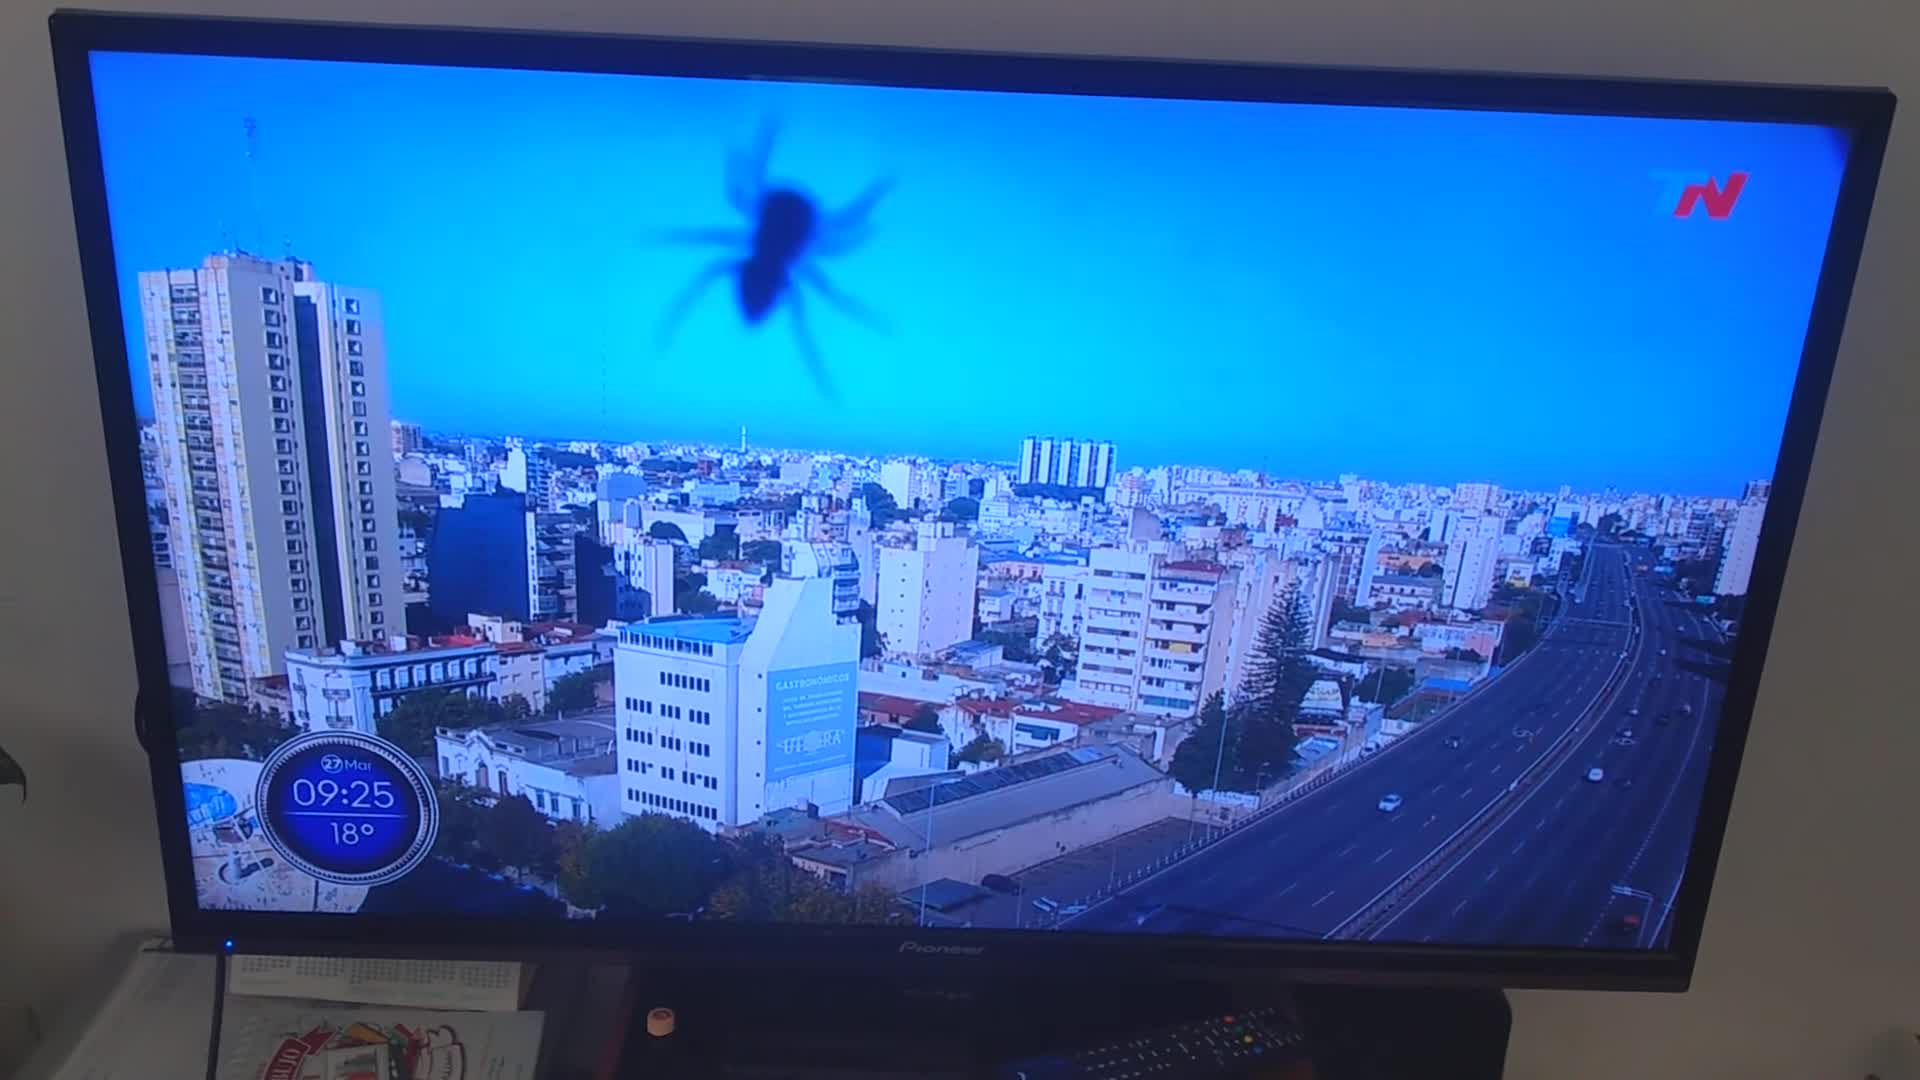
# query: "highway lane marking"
[1541,824]
[1518,846]
[1287,890]
[1346,851]
[1383,855]
[1323,899]
[1458,906]
[1466,793]
[1431,818]
[1490,874]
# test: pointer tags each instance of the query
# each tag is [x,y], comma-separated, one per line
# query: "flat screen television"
[871,506]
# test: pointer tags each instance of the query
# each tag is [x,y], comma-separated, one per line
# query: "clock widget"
[347,808]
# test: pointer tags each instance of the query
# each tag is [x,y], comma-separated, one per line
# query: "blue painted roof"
[1455,686]
[710,629]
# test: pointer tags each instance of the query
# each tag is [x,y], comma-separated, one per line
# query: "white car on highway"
[1390,803]
[1596,774]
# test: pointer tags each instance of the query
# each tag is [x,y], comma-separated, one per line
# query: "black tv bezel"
[1865,115]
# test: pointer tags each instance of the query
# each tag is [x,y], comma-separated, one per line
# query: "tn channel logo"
[1681,193]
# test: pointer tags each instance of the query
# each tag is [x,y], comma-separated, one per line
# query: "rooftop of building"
[409,646]
[1407,580]
[1193,566]
[1072,712]
[890,704]
[994,799]
[843,854]
[704,629]
[580,745]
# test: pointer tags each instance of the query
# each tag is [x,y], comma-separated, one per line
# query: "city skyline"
[1474,359]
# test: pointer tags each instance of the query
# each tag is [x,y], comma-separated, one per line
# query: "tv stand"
[757,1026]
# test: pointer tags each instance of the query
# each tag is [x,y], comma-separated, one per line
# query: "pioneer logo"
[923,949]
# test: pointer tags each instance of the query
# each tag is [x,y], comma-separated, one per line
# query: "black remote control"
[1211,1047]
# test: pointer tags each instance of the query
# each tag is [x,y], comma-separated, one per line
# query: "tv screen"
[659,503]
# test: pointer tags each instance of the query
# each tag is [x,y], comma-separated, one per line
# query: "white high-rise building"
[1065,462]
[911,483]
[1062,601]
[1263,578]
[1742,538]
[1476,498]
[269,388]
[723,719]
[531,474]
[1473,557]
[926,590]
[1157,628]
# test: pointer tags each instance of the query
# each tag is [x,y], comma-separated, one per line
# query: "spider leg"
[855,212]
[689,295]
[809,350]
[747,172]
[853,309]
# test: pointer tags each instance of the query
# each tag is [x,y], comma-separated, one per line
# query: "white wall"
[1811,951]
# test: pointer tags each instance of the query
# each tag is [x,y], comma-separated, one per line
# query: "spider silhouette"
[776,255]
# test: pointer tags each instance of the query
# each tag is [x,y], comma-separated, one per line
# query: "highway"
[1314,867]
[1545,876]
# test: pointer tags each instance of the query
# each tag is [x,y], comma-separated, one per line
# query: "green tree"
[765,886]
[767,553]
[1431,569]
[962,509]
[1385,686]
[463,826]
[880,505]
[1278,677]
[1610,523]
[723,544]
[519,835]
[696,602]
[576,691]
[980,750]
[1353,613]
[1201,757]
[926,718]
[205,728]
[1519,635]
[872,641]
[667,530]
[412,722]
[648,864]
[1465,654]
[1061,655]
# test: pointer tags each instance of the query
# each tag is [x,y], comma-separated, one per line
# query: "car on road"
[1686,710]
[1663,652]
[1451,742]
[1146,911]
[1000,883]
[1635,711]
[1522,733]
[1626,924]
[1623,740]
[1045,905]
[1068,911]
[1390,803]
[1596,774]
[1624,733]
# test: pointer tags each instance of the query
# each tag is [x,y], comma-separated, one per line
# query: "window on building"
[366,506]
[306,641]
[539,798]
[289,487]
[356,368]
[378,618]
[363,468]
[351,305]
[368,525]
[276,340]
[295,547]
[291,526]
[303,622]
[373,600]
[373,562]
[373,581]
[285,465]
[360,428]
[289,506]
[269,294]
[354,348]
[358,387]
[359,408]
[362,449]
[366,487]
[353,326]
[276,361]
[370,543]
[277,382]
[282,425]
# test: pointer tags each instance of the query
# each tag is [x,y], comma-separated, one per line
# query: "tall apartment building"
[926,590]
[1742,539]
[1156,632]
[1065,462]
[530,473]
[722,719]
[268,387]
[553,574]
[1263,577]
[1476,498]
[1473,555]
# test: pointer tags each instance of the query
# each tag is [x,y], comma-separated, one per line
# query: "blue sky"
[1307,290]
